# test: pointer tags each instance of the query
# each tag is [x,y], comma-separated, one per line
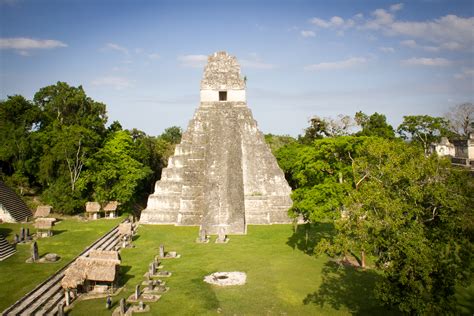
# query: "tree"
[114,173]
[317,129]
[71,129]
[172,134]
[374,125]
[321,175]
[410,211]
[275,142]
[423,130]
[18,119]
[461,119]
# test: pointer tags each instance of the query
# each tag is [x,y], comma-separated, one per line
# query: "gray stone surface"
[222,174]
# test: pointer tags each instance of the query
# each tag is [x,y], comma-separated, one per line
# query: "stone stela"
[222,174]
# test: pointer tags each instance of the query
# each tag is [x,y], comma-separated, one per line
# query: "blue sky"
[144,59]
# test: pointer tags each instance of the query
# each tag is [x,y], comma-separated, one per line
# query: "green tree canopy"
[114,172]
[410,211]
[374,125]
[423,130]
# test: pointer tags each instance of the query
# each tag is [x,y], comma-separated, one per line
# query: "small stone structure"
[226,278]
[222,174]
[110,209]
[96,273]
[93,209]
[44,227]
[461,151]
[43,211]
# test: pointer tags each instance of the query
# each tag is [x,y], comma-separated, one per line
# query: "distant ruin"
[222,175]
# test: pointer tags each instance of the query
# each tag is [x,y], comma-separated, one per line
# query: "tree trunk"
[362,258]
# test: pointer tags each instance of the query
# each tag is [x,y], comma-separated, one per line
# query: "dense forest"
[393,203]
[57,148]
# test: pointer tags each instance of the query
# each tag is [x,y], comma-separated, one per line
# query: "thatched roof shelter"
[125,229]
[91,269]
[43,223]
[111,206]
[92,207]
[43,211]
[105,254]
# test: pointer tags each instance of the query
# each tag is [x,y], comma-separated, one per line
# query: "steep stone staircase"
[13,204]
[6,250]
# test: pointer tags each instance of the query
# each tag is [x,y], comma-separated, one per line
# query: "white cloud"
[23,43]
[194,61]
[116,47]
[409,43]
[117,83]
[381,19]
[334,22]
[343,64]
[387,49]
[427,62]
[396,7]
[306,33]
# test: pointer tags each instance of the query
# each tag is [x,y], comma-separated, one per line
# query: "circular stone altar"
[226,278]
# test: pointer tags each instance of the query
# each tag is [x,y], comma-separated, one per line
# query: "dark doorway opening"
[222,95]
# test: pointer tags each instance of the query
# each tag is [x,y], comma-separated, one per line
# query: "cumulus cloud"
[117,83]
[334,22]
[451,31]
[436,62]
[194,61]
[116,47]
[337,65]
[24,44]
[306,33]
[396,7]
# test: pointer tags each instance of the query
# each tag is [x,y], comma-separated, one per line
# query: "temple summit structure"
[222,175]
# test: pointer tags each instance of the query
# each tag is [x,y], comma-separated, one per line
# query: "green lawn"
[70,238]
[282,279]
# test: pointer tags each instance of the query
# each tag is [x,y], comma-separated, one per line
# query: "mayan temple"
[222,175]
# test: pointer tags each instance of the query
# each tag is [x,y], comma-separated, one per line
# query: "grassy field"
[70,238]
[282,278]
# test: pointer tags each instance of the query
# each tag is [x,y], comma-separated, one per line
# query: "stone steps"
[6,250]
[13,204]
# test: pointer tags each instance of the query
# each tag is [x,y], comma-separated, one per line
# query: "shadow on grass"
[5,231]
[348,287]
[307,236]
[124,276]
[206,294]
[135,237]
[59,231]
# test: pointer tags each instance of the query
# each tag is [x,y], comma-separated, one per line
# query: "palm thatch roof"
[111,206]
[43,223]
[105,254]
[125,229]
[92,207]
[43,211]
[92,269]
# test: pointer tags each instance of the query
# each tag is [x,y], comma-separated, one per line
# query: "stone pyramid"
[222,175]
